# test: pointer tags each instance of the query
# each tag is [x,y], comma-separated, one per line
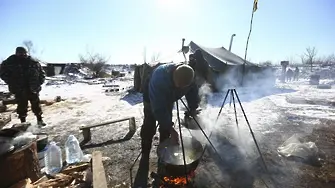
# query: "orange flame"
[179,181]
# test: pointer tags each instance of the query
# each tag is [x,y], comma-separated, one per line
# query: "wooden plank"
[75,168]
[99,176]
[132,124]
[87,134]
[105,123]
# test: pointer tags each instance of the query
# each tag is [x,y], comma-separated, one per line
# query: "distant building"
[57,68]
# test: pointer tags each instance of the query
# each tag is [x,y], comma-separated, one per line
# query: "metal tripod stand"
[234,97]
[233,94]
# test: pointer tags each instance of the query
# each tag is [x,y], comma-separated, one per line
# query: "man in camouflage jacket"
[24,77]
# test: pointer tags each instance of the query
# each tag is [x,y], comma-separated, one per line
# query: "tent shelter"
[226,68]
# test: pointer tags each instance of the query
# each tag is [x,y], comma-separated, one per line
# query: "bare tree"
[330,60]
[29,45]
[155,57]
[309,56]
[95,62]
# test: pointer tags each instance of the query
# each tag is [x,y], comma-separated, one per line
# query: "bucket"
[42,141]
[40,156]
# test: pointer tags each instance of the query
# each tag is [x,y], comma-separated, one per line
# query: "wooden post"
[87,134]
[132,124]
[19,165]
[99,176]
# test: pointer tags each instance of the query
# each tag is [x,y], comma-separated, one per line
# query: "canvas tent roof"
[219,57]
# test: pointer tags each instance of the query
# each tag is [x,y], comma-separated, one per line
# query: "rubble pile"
[79,175]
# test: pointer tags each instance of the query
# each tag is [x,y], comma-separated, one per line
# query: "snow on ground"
[274,115]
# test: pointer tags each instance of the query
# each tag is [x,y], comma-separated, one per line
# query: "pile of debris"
[21,165]
[79,175]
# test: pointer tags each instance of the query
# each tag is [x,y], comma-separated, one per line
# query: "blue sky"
[62,29]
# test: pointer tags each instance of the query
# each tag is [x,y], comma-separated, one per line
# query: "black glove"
[192,113]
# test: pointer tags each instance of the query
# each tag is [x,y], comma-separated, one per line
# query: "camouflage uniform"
[24,77]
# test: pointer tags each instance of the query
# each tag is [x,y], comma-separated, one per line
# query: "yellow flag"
[255,5]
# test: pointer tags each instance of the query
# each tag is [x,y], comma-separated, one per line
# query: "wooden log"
[99,176]
[60,180]
[76,168]
[19,165]
[42,179]
[26,183]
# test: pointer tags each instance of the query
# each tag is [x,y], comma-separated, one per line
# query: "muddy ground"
[232,169]
[237,171]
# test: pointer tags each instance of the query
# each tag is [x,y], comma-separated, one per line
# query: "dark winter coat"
[201,66]
[161,93]
[22,74]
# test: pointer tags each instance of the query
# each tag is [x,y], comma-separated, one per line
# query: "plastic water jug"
[53,159]
[73,152]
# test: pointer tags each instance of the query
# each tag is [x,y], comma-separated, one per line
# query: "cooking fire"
[174,181]
[178,181]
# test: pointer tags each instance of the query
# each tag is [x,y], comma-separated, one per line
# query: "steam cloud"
[234,144]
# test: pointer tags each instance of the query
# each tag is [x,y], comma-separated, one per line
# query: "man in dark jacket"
[167,84]
[191,61]
[201,67]
[24,77]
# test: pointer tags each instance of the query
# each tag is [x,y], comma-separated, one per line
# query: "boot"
[23,119]
[40,121]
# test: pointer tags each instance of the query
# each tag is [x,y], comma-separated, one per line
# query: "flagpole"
[254,8]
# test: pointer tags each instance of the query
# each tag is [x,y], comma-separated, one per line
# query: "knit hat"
[20,49]
[183,75]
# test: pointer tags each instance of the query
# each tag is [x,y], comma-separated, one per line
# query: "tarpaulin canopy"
[218,58]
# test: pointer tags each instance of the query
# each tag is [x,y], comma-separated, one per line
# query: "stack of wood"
[73,176]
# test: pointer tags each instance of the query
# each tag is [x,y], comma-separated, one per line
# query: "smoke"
[204,94]
[232,139]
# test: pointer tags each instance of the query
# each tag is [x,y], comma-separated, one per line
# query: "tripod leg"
[236,120]
[182,143]
[131,169]
[224,101]
[251,132]
[231,97]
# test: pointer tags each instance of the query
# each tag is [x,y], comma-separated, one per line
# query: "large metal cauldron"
[171,156]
